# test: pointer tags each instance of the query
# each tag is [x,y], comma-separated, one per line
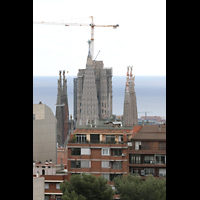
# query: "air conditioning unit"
[123,154]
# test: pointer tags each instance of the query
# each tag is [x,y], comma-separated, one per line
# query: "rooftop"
[151,132]
[105,124]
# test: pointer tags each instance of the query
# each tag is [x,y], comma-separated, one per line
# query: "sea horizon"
[150,93]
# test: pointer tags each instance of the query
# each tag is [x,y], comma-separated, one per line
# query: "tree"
[86,187]
[133,187]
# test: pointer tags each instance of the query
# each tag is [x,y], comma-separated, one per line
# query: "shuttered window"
[85,151]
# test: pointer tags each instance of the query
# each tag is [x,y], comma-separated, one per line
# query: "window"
[46,186]
[106,176]
[76,151]
[145,146]
[117,152]
[110,138]
[43,172]
[134,159]
[137,145]
[160,159]
[117,165]
[162,172]
[58,198]
[75,164]
[149,171]
[105,164]
[162,145]
[112,176]
[94,138]
[120,138]
[85,151]
[85,164]
[148,159]
[33,116]
[58,186]
[81,138]
[105,152]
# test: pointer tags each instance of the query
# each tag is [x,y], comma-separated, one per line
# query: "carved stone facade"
[62,111]
[130,115]
[94,93]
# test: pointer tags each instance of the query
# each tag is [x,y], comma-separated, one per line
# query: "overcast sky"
[139,41]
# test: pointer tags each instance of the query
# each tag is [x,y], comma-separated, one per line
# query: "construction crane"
[80,24]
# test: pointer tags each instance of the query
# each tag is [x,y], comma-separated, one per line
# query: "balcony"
[147,150]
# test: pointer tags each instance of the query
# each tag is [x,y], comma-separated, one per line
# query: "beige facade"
[44,134]
[38,188]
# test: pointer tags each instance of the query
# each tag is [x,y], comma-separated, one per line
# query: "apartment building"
[100,151]
[147,155]
[53,175]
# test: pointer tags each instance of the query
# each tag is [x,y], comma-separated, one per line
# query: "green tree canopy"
[86,187]
[133,187]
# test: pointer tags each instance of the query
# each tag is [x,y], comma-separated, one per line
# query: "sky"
[139,41]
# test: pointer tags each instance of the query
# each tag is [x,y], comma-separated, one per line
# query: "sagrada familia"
[93,98]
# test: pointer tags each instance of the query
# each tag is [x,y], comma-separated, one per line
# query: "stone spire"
[65,110]
[59,111]
[130,104]
[133,98]
[89,102]
[127,115]
[62,110]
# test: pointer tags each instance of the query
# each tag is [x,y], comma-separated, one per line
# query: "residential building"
[147,155]
[101,151]
[53,175]
[44,133]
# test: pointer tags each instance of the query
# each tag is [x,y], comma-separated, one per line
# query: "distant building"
[130,115]
[62,111]
[44,133]
[153,119]
[93,96]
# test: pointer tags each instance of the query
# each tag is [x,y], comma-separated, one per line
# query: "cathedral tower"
[130,104]
[62,110]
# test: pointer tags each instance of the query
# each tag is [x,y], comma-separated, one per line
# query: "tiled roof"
[151,132]
[136,129]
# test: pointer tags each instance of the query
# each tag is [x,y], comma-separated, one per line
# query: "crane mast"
[79,24]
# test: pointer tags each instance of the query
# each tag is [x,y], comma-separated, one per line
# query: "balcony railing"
[95,142]
[153,162]
[147,148]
